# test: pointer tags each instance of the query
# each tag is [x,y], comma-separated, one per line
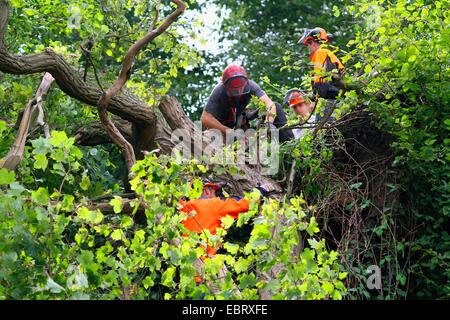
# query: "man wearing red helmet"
[324,61]
[229,99]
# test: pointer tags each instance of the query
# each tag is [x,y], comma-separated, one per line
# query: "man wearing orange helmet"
[324,61]
[302,106]
[226,106]
[209,210]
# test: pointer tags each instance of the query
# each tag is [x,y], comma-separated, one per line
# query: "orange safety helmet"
[295,96]
[316,34]
[209,182]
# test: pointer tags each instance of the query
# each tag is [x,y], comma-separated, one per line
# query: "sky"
[208,31]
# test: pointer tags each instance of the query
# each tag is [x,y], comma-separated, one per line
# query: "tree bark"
[123,105]
[125,72]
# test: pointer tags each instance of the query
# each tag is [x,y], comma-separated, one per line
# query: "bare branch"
[14,157]
[103,103]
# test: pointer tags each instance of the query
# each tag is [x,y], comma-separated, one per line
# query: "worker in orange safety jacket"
[209,210]
[324,60]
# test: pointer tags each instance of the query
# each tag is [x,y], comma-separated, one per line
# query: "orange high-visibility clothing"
[209,212]
[324,61]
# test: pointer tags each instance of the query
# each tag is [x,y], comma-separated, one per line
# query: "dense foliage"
[53,246]
[59,249]
[398,65]
[404,52]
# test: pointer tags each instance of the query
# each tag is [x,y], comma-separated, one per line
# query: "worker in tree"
[226,106]
[302,106]
[209,210]
[324,61]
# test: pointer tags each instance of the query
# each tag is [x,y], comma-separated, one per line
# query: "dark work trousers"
[280,121]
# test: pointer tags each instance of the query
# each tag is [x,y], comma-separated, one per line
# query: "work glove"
[251,115]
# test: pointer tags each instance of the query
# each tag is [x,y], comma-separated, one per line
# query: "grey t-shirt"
[219,103]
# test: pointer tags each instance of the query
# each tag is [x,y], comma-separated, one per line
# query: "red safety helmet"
[316,34]
[235,80]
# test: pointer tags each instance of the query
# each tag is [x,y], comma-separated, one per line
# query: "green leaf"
[327,287]
[227,221]
[148,282]
[15,188]
[41,146]
[85,181]
[86,258]
[126,222]
[231,247]
[116,234]
[53,286]
[58,138]
[30,12]
[67,203]
[92,216]
[241,265]
[273,284]
[41,161]
[167,277]
[117,204]
[40,196]
[342,275]
[6,176]
[312,227]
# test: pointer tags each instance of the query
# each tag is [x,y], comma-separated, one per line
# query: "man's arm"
[270,107]
[210,122]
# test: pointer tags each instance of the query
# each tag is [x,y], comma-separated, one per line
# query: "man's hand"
[270,107]
[210,122]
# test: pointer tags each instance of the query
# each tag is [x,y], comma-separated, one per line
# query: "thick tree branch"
[103,103]
[4,19]
[122,105]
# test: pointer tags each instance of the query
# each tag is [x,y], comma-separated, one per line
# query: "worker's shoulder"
[209,201]
[321,53]
[218,91]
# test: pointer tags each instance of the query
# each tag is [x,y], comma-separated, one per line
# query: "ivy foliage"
[403,52]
